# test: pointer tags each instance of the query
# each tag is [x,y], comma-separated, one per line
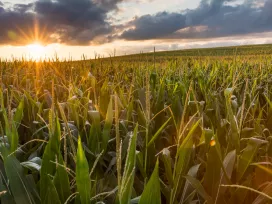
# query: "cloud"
[108,4]
[85,22]
[150,27]
[22,8]
[75,22]
[72,22]
[211,19]
[11,22]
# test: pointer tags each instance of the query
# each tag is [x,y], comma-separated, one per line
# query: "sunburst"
[36,51]
[37,34]
[33,38]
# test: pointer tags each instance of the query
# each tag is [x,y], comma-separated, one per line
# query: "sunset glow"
[36,51]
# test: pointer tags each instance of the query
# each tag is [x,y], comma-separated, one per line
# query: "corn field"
[146,128]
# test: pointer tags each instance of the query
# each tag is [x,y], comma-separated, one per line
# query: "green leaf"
[235,140]
[199,188]
[140,163]
[34,164]
[187,192]
[228,164]
[83,180]
[107,126]
[152,192]
[51,195]
[212,174]
[6,198]
[183,157]
[14,138]
[19,185]
[129,171]
[48,167]
[158,132]
[247,132]
[247,156]
[167,161]
[19,114]
[95,132]
[61,181]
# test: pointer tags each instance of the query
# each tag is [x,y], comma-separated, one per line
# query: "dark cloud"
[12,23]
[73,22]
[108,4]
[150,27]
[216,18]
[205,10]
[228,20]
[84,22]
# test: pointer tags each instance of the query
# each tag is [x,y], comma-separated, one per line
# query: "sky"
[72,28]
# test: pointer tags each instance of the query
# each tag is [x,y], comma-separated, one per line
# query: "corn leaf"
[107,126]
[19,185]
[83,180]
[152,192]
[199,188]
[125,189]
[155,136]
[247,156]
[61,181]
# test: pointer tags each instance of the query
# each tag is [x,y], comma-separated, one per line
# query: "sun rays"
[36,51]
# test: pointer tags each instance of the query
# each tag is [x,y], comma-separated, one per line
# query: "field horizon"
[220,50]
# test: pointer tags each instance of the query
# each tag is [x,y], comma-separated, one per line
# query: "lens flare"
[212,142]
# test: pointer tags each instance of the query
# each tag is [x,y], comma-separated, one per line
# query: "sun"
[36,51]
